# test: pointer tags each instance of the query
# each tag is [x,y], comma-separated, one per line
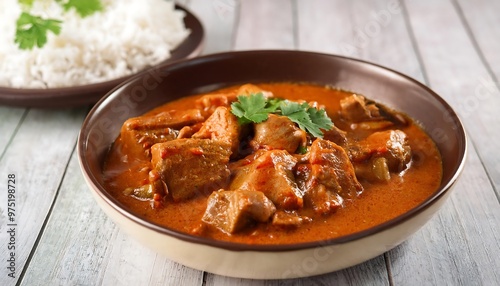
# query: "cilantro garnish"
[83,7]
[256,108]
[32,30]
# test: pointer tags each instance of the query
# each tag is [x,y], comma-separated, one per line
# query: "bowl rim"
[122,209]
[90,93]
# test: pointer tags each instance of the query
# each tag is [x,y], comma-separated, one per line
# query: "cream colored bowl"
[165,83]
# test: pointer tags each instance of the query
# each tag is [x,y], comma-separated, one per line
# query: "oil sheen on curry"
[276,163]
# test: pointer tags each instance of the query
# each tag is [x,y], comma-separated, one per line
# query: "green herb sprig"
[256,108]
[32,30]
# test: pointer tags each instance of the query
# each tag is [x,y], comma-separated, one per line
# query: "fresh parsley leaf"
[256,108]
[32,30]
[252,108]
[83,7]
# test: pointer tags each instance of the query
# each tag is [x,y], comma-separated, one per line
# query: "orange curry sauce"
[378,203]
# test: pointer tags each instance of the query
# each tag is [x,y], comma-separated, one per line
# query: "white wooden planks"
[218,18]
[481,20]
[265,24]
[38,155]
[10,120]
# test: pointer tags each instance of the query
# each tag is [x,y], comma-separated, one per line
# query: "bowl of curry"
[271,164]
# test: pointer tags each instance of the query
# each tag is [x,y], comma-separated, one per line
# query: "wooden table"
[453,46]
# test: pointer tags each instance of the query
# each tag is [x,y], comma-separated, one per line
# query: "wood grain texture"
[38,155]
[370,30]
[481,21]
[372,272]
[265,24]
[10,120]
[219,18]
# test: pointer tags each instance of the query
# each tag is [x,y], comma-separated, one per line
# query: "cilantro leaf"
[32,30]
[256,108]
[83,7]
[297,113]
[274,103]
[252,108]
[320,118]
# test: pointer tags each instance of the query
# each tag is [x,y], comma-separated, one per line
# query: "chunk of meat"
[336,135]
[272,174]
[328,178]
[392,145]
[191,166]
[189,130]
[278,132]
[138,134]
[249,88]
[376,169]
[168,119]
[232,211]
[369,114]
[287,219]
[223,126]
[208,103]
[354,108]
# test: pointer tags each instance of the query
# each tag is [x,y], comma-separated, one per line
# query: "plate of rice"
[92,55]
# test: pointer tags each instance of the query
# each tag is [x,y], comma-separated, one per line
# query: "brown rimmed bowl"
[168,82]
[91,93]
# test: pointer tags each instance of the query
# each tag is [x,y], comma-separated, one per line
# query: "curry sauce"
[142,174]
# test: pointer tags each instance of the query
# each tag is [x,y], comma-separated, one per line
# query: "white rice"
[126,37]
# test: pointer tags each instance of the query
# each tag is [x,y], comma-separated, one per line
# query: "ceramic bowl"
[168,82]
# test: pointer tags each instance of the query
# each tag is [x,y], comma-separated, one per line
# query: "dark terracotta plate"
[91,93]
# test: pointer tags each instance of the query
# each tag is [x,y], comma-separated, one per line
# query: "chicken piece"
[191,166]
[278,132]
[392,145]
[223,126]
[270,173]
[232,211]
[138,134]
[328,178]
